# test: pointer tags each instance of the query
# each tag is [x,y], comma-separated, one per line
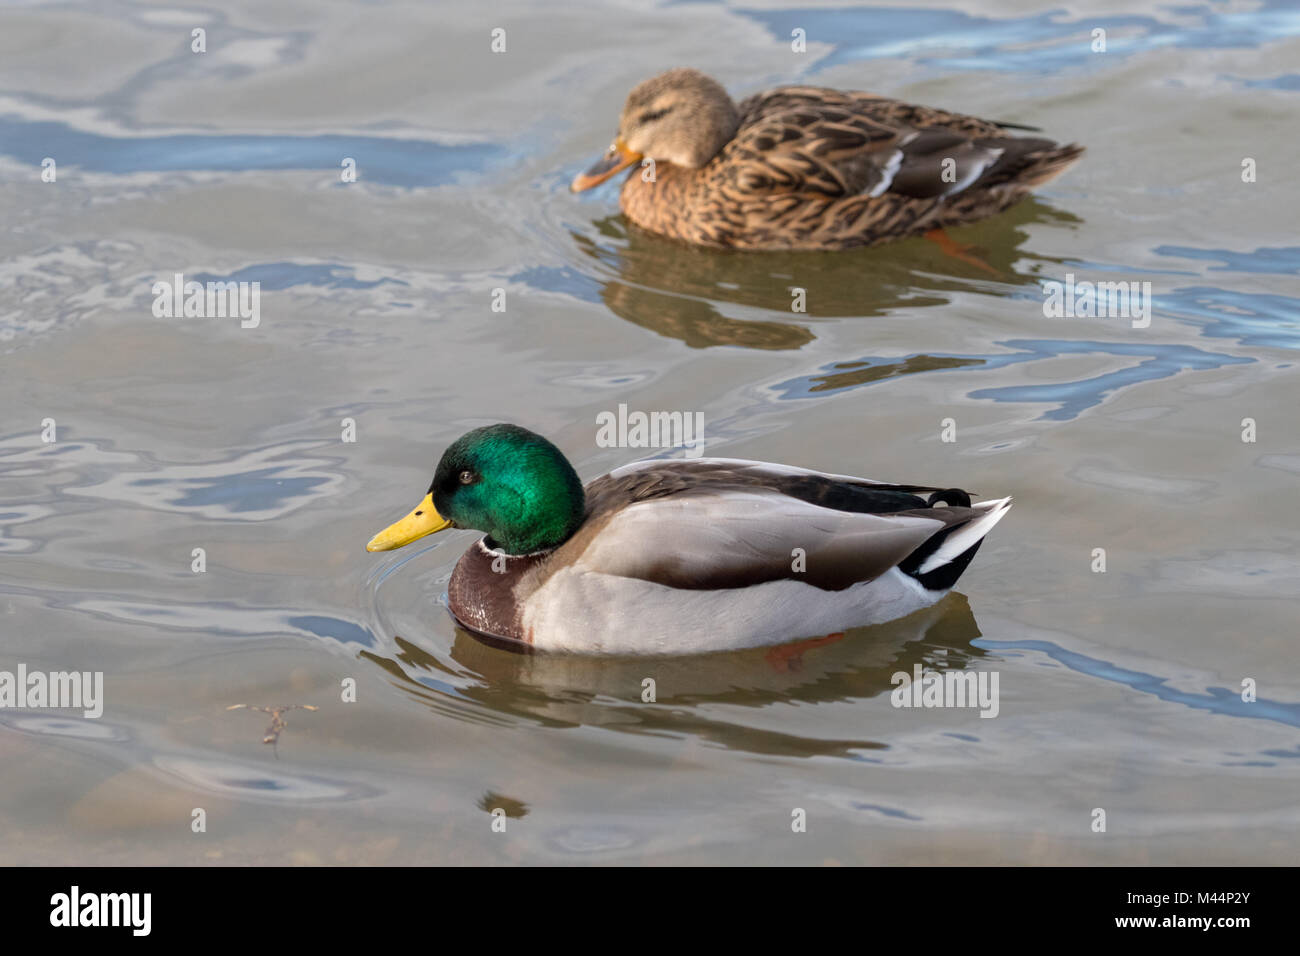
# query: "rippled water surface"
[1119,690]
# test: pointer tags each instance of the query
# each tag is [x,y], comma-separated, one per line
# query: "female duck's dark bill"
[616,158]
[424,520]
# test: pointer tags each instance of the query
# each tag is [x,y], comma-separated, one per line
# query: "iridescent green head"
[504,480]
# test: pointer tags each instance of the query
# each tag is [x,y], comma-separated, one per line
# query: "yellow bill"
[424,520]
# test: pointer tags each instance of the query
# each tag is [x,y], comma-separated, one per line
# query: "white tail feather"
[965,538]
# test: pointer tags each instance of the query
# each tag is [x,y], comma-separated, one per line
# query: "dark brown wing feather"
[711,476]
[807,139]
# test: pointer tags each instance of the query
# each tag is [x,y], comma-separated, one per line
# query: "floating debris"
[278,723]
[514,809]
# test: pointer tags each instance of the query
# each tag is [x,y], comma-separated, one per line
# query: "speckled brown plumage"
[814,168]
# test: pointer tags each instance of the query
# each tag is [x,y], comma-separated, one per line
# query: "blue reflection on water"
[1274,260]
[1070,398]
[887,811]
[1251,318]
[265,489]
[1042,42]
[1220,700]
[273,276]
[566,280]
[1287,81]
[1074,397]
[340,630]
[390,161]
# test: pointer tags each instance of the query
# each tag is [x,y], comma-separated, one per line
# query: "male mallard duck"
[682,556]
[803,167]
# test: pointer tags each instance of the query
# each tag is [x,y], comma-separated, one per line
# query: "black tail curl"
[953,497]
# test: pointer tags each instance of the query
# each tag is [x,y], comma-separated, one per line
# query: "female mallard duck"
[802,167]
[682,556]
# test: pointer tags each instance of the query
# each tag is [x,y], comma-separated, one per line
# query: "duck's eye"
[467,477]
[652,115]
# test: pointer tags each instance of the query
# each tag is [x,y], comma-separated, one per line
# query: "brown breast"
[483,589]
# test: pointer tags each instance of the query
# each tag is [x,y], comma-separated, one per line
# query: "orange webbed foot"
[966,254]
[788,658]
